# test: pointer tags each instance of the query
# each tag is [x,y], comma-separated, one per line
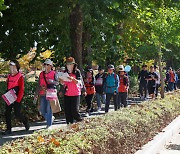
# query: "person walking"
[47,92]
[143,82]
[72,92]
[15,81]
[89,82]
[123,87]
[152,78]
[157,81]
[170,79]
[99,83]
[111,84]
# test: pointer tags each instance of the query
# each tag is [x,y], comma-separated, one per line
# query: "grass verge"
[123,131]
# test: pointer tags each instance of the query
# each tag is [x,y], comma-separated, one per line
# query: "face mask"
[13,70]
[70,68]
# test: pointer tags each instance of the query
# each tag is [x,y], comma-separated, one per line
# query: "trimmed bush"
[123,131]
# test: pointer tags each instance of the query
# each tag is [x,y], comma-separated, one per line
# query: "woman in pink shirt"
[72,91]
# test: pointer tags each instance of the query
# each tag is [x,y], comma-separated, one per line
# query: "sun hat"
[70,61]
[121,68]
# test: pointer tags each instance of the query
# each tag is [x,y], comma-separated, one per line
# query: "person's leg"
[145,90]
[75,108]
[115,97]
[156,90]
[98,98]
[141,89]
[49,114]
[124,99]
[19,116]
[43,106]
[8,110]
[108,98]
[67,109]
[103,98]
[119,101]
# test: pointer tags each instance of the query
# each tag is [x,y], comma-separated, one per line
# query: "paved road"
[18,132]
[173,146]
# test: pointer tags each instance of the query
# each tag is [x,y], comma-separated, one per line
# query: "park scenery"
[85,76]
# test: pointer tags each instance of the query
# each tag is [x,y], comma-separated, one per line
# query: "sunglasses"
[46,64]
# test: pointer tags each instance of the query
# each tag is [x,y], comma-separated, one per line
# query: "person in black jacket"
[142,77]
[152,78]
[99,83]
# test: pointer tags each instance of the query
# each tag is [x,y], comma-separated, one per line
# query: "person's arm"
[21,89]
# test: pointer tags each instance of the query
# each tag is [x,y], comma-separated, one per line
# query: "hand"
[84,94]
[115,93]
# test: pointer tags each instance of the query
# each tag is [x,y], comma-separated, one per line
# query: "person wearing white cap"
[123,87]
[15,81]
[46,89]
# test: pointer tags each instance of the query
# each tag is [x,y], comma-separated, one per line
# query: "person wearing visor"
[111,87]
[47,82]
[15,81]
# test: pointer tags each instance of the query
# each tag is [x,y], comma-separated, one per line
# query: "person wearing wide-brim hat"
[142,77]
[123,87]
[15,81]
[111,84]
[72,91]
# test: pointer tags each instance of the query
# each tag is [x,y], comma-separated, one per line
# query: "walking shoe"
[86,114]
[53,118]
[27,126]
[6,132]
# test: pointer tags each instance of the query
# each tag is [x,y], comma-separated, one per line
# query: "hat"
[111,66]
[70,61]
[12,63]
[49,62]
[152,66]
[121,68]
[63,68]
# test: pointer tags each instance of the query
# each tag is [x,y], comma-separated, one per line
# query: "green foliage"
[122,131]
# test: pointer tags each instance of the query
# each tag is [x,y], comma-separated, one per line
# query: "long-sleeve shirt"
[111,83]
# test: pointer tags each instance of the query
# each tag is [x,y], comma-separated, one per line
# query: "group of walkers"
[149,82]
[103,86]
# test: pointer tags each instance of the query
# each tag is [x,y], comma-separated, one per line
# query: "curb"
[161,139]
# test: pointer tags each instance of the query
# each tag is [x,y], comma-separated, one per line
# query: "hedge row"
[123,131]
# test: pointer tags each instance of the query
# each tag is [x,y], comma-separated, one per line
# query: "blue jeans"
[45,110]
[100,97]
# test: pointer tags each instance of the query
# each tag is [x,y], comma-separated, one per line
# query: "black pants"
[17,112]
[143,89]
[89,99]
[71,108]
[122,99]
[157,88]
[108,98]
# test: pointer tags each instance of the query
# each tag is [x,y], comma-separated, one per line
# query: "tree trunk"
[76,29]
[87,50]
[160,71]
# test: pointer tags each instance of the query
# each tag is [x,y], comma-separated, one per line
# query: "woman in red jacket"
[15,81]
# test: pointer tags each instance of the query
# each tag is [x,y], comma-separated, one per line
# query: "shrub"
[123,131]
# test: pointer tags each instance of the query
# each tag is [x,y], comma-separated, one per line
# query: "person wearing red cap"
[15,81]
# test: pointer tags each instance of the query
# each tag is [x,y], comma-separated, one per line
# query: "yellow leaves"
[46,54]
[40,139]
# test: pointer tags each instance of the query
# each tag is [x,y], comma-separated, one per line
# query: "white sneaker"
[99,109]
[87,114]
[53,118]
